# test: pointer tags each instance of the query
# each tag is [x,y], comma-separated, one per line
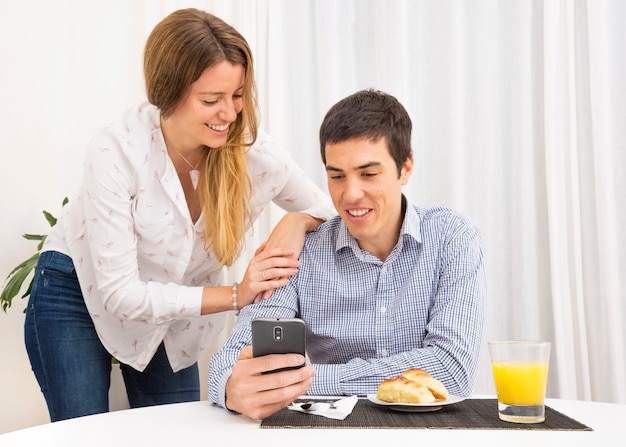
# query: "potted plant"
[15,280]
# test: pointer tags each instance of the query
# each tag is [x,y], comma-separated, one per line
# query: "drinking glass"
[520,373]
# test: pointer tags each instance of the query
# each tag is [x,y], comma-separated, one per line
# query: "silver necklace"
[194,174]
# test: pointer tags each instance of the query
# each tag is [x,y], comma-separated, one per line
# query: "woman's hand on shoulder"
[290,231]
[269,269]
[286,239]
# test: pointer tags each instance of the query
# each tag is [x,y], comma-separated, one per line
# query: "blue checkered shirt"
[367,320]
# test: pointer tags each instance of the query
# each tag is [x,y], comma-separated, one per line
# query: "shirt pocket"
[154,238]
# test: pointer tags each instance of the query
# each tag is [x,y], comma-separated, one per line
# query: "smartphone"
[278,336]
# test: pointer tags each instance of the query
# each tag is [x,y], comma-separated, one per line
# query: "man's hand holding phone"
[263,384]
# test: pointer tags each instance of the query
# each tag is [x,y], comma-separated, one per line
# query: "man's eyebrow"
[371,164]
[365,166]
[333,169]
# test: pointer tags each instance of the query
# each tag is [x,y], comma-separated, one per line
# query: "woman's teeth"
[221,128]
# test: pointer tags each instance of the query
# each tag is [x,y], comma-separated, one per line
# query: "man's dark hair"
[369,114]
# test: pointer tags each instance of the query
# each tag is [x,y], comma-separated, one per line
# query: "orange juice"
[520,383]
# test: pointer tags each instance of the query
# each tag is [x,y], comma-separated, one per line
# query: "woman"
[135,267]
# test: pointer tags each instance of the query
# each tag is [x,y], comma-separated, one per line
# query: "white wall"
[40,63]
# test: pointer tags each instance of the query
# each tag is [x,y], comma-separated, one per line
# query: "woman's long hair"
[177,52]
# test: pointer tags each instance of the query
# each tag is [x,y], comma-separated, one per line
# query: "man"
[383,287]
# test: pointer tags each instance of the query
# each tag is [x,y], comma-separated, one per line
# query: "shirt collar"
[410,227]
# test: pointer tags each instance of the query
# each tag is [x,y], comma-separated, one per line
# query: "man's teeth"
[358,213]
[221,128]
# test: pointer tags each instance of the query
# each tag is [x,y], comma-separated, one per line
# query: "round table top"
[197,422]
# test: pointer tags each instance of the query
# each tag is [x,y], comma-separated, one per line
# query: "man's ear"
[407,170]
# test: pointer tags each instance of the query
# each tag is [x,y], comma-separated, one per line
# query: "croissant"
[414,386]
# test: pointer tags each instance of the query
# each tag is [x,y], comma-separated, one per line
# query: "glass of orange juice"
[520,372]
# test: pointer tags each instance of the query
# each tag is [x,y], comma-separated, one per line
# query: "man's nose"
[353,191]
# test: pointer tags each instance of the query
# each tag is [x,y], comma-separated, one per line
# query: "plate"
[398,406]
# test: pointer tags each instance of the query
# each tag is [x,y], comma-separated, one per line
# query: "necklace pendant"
[195,176]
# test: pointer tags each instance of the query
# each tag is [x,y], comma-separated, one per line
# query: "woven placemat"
[478,414]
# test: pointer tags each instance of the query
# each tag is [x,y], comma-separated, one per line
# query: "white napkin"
[341,409]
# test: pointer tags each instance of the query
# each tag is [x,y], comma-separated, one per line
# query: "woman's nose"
[229,111]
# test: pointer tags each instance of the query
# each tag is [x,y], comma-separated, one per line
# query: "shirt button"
[383,309]
[384,353]
[383,270]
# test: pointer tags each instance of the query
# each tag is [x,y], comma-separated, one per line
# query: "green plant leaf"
[15,280]
[34,237]
[50,218]
[25,265]
[40,244]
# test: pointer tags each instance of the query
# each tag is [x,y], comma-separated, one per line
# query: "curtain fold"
[589,314]
[563,197]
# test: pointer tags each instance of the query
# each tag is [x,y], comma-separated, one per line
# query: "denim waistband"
[57,261]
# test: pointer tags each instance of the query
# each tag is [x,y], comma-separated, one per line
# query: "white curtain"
[584,109]
[518,111]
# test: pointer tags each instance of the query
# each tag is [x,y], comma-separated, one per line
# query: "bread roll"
[414,373]
[414,386]
[434,386]
[401,389]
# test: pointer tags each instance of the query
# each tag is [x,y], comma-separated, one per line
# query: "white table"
[201,423]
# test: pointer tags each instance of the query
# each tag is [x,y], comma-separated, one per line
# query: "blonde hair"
[177,52]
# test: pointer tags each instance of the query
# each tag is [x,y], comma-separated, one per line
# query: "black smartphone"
[278,336]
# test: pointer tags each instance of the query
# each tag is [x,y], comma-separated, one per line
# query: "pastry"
[401,389]
[412,386]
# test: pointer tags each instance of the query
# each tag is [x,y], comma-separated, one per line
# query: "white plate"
[398,406]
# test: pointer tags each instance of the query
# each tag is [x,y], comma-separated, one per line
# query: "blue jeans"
[72,367]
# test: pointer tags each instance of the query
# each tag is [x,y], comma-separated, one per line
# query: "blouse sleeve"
[276,177]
